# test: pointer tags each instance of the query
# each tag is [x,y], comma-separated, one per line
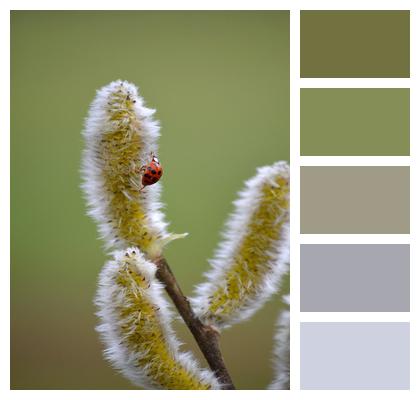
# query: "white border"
[354,161]
[294,200]
[354,316]
[310,238]
[354,83]
[294,6]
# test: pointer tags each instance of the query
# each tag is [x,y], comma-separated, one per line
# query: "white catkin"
[120,135]
[136,327]
[254,255]
[281,379]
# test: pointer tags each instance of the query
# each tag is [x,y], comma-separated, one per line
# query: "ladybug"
[152,172]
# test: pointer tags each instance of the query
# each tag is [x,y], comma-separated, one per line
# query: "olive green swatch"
[355,122]
[355,199]
[355,44]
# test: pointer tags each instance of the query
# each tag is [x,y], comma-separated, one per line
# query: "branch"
[206,336]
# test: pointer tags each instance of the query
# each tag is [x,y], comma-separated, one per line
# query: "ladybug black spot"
[149,169]
[147,176]
[153,171]
[159,172]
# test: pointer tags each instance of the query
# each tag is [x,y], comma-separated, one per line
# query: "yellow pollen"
[119,150]
[252,260]
[142,332]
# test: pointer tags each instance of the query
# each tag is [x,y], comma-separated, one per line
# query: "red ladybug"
[152,172]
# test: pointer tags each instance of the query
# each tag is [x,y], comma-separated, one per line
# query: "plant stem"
[206,336]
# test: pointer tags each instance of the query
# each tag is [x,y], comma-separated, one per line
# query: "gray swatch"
[355,199]
[355,277]
[355,355]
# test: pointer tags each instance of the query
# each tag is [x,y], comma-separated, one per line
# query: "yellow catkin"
[143,332]
[120,151]
[120,137]
[251,262]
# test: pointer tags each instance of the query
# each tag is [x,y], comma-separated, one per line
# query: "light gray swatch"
[355,277]
[355,199]
[355,355]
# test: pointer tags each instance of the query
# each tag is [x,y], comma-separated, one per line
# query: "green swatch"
[355,44]
[355,122]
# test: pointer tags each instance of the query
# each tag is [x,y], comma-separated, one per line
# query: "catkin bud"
[120,135]
[136,327]
[254,255]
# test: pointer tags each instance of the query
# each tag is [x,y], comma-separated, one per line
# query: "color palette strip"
[355,278]
[355,122]
[354,197]
[355,44]
[351,355]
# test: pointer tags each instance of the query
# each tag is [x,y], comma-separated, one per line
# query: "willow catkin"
[135,326]
[254,254]
[281,360]
[120,135]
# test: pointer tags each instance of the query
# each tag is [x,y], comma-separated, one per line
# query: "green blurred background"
[220,83]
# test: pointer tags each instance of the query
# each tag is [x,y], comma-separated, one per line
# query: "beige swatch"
[355,200]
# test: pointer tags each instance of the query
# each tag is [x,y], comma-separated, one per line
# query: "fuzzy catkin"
[120,135]
[136,327]
[281,379]
[254,254]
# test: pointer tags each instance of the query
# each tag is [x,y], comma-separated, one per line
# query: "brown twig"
[207,337]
